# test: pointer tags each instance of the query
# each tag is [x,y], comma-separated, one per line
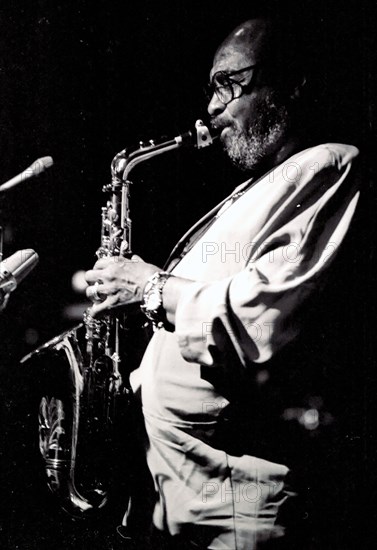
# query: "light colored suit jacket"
[265,253]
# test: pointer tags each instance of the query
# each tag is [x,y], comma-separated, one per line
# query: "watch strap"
[152,305]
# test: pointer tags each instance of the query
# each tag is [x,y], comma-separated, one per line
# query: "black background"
[80,80]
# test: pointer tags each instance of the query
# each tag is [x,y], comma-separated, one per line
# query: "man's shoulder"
[325,155]
[325,162]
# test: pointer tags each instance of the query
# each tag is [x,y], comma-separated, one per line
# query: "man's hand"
[116,282]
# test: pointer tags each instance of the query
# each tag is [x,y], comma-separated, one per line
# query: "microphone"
[35,169]
[14,269]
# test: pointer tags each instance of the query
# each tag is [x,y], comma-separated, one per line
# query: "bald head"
[252,38]
[272,45]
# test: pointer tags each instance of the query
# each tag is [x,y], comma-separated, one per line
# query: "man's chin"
[239,150]
[230,139]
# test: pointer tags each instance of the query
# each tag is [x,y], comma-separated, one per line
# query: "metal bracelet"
[152,306]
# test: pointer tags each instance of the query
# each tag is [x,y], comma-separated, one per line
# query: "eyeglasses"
[225,87]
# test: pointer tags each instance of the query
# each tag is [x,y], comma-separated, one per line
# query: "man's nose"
[215,106]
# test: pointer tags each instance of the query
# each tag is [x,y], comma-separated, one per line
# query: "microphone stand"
[3,297]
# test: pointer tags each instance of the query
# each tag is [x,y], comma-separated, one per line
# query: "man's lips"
[221,128]
[224,131]
[218,125]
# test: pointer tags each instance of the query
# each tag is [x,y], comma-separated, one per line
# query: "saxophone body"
[85,413]
[85,394]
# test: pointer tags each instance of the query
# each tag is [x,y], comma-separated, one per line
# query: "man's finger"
[95,292]
[136,258]
[93,275]
[98,309]
[102,263]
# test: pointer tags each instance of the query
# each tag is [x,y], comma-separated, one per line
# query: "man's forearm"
[170,296]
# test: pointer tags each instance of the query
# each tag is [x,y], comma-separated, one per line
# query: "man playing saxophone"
[228,307]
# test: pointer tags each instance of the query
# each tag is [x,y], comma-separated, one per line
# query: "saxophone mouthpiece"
[200,138]
[203,137]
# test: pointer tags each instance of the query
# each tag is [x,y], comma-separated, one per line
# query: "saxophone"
[87,396]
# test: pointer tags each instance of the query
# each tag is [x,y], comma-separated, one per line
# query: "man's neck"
[282,153]
[288,149]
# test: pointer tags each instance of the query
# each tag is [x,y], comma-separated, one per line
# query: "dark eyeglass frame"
[230,85]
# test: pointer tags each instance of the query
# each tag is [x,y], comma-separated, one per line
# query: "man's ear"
[297,91]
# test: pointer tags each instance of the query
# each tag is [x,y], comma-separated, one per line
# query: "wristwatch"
[152,299]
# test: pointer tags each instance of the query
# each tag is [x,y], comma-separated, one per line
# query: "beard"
[250,148]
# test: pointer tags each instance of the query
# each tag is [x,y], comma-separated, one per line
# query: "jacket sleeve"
[255,310]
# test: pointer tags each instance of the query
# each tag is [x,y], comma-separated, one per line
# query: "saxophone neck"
[124,162]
